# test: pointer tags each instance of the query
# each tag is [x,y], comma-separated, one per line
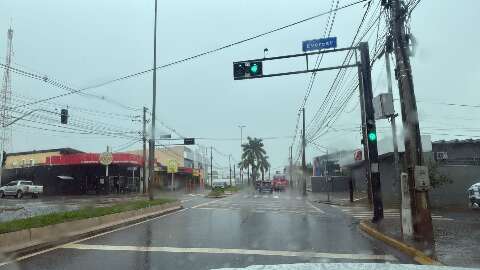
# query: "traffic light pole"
[366,80]
[144,140]
[240,72]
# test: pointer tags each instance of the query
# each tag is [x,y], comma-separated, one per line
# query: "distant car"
[265,186]
[279,182]
[474,195]
[219,185]
[20,188]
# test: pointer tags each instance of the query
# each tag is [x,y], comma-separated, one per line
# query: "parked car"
[21,188]
[265,186]
[279,182]
[474,195]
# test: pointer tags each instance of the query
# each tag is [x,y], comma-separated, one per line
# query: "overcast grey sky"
[82,43]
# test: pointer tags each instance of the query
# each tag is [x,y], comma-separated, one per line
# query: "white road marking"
[87,238]
[207,203]
[233,251]
[316,208]
[275,196]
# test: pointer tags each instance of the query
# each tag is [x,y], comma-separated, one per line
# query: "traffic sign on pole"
[318,44]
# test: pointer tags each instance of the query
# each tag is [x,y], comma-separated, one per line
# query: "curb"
[34,246]
[417,255]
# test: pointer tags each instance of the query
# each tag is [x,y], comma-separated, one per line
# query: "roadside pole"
[144,139]
[230,165]
[304,165]
[290,167]
[421,215]
[151,142]
[326,177]
[211,166]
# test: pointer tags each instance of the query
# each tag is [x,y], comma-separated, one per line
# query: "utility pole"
[230,165]
[304,165]
[5,101]
[396,159]
[235,179]
[211,166]
[144,140]
[326,176]
[421,215]
[241,150]
[371,135]
[290,166]
[151,142]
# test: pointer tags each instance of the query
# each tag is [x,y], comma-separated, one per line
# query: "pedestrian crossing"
[363,212]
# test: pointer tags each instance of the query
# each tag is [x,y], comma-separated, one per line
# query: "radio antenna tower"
[6,96]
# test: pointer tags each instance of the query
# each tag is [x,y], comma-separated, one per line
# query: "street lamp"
[151,141]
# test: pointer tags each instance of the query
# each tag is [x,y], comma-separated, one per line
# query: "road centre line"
[234,251]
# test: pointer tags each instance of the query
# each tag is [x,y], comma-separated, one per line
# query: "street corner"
[375,231]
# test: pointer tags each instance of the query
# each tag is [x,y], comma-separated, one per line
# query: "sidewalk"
[456,232]
[457,241]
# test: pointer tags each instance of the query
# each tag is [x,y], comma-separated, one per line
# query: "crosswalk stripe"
[307,254]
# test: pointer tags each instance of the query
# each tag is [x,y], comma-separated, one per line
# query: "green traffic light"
[254,68]
[372,136]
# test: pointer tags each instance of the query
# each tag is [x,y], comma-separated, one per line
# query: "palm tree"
[264,165]
[253,153]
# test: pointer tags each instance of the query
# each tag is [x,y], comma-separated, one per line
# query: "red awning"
[93,158]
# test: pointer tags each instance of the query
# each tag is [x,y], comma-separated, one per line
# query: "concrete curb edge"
[417,255]
[173,207]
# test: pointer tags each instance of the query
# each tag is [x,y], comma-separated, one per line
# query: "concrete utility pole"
[304,165]
[211,166]
[151,141]
[234,173]
[230,165]
[290,166]
[421,215]
[144,139]
[241,150]
[396,159]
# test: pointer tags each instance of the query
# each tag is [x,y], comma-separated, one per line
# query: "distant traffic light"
[64,116]
[189,141]
[242,70]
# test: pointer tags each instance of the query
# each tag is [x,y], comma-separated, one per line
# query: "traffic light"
[242,70]
[189,141]
[372,135]
[64,116]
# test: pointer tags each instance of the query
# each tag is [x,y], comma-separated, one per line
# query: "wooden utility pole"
[421,215]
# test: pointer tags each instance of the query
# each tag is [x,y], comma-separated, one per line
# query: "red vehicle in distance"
[279,182]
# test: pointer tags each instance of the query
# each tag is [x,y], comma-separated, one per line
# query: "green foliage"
[216,192]
[254,157]
[87,212]
[233,188]
[437,179]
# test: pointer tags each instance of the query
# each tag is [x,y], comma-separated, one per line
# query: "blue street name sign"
[318,44]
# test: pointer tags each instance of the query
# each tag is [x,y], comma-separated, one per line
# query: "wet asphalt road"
[237,231]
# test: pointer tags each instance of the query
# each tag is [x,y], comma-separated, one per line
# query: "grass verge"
[87,212]
[233,189]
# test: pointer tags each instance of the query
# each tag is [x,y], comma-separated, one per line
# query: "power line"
[75,91]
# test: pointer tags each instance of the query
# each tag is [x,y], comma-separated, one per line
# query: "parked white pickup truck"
[20,188]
